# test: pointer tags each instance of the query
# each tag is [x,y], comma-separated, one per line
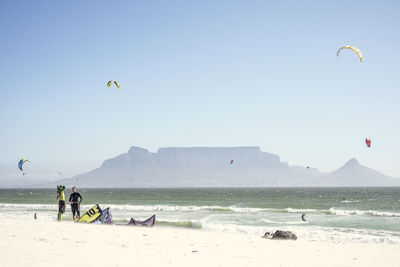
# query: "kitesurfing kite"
[149,222]
[113,82]
[368,142]
[21,163]
[97,215]
[106,217]
[351,48]
[91,215]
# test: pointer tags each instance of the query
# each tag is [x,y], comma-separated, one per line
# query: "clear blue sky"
[200,73]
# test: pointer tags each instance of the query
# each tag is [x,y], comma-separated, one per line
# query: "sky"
[198,73]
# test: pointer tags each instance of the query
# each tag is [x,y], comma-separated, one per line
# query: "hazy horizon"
[198,167]
[49,171]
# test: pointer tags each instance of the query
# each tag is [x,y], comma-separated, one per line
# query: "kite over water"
[351,48]
[21,163]
[113,82]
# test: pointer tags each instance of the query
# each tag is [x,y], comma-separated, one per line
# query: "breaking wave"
[280,222]
[350,201]
[290,210]
[167,208]
[335,211]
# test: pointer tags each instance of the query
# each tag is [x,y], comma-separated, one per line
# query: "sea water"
[332,214]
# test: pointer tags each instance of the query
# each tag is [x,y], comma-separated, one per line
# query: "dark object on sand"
[280,235]
[303,217]
[149,222]
[34,216]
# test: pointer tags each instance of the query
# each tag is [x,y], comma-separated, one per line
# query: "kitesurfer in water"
[303,217]
[61,202]
[75,199]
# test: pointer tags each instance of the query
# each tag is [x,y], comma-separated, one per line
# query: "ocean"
[332,214]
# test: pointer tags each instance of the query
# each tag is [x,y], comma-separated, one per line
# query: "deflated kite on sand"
[97,215]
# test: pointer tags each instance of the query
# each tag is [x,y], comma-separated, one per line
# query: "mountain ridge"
[211,167]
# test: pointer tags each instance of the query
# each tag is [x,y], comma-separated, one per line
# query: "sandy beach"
[41,243]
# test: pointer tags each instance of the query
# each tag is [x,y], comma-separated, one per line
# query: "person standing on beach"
[75,199]
[61,202]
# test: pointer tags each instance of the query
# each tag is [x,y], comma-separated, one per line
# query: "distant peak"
[351,163]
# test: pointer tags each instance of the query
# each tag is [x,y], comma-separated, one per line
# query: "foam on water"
[290,210]
[165,208]
[341,212]
[283,222]
[350,201]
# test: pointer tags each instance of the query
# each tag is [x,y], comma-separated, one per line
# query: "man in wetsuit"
[75,199]
[61,202]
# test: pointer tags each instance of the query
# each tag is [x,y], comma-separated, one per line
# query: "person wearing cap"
[61,202]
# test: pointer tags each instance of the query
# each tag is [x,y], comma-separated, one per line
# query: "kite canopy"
[106,217]
[351,48]
[96,215]
[368,142]
[91,215]
[113,82]
[21,163]
[149,222]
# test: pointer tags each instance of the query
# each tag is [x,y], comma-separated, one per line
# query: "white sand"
[38,243]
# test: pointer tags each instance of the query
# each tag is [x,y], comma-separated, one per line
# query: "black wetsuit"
[73,198]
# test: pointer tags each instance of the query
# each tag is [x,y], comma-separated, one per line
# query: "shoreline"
[44,243]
